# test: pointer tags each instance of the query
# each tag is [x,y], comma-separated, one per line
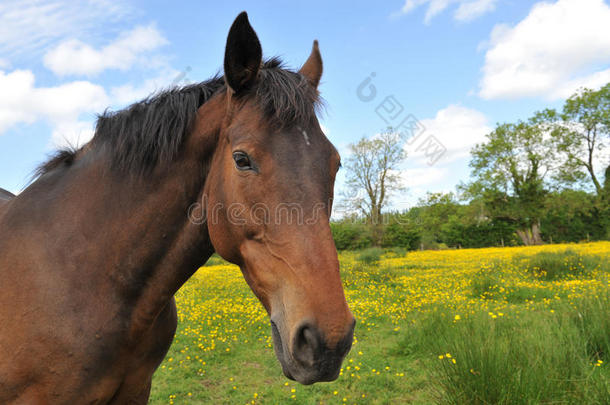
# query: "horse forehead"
[309,145]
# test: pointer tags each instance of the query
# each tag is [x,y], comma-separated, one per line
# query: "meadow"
[523,325]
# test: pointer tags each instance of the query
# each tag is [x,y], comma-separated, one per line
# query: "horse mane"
[152,131]
[60,158]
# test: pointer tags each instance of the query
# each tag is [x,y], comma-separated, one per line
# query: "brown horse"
[93,251]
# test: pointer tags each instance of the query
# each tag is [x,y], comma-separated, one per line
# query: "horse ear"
[312,69]
[243,54]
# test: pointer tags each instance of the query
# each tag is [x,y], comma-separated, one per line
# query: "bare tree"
[372,176]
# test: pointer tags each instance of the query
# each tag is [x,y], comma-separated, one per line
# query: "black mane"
[152,131]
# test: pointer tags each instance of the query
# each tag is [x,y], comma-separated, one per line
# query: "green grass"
[518,335]
[560,265]
[531,358]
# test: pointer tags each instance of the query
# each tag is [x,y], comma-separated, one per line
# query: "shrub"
[370,256]
[351,236]
[400,235]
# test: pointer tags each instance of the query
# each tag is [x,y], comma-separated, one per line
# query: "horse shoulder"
[151,350]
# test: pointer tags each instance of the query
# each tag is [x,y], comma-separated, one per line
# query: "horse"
[94,249]
[5,195]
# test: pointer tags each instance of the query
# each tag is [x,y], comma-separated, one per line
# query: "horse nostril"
[306,345]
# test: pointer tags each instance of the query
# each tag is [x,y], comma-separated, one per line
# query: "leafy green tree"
[510,172]
[585,132]
[571,216]
[397,234]
[351,234]
[435,209]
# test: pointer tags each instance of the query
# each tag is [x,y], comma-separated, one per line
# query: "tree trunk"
[530,236]
[598,187]
[524,236]
[536,234]
[376,225]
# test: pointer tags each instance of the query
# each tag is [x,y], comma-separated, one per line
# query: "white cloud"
[72,133]
[74,57]
[419,181]
[467,10]
[457,128]
[30,26]
[470,10]
[423,176]
[69,108]
[129,93]
[556,49]
[62,106]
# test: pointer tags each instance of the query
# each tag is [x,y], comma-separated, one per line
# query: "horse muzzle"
[308,358]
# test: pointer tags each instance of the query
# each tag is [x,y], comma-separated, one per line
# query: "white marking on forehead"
[305,136]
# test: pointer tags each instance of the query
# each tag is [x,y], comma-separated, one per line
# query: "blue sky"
[457,66]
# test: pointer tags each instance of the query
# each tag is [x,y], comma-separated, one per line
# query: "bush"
[399,235]
[351,236]
[370,256]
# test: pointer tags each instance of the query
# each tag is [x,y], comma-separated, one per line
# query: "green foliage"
[510,173]
[351,235]
[572,216]
[370,256]
[584,132]
[515,170]
[400,234]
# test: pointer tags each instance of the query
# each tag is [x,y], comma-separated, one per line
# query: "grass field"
[500,325]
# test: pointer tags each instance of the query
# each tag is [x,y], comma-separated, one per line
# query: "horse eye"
[242,161]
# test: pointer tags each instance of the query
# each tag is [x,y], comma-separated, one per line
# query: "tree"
[571,216]
[606,193]
[400,231]
[372,176]
[585,127]
[350,234]
[434,213]
[605,203]
[510,170]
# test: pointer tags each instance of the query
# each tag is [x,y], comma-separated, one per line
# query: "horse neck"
[129,236]
[180,245]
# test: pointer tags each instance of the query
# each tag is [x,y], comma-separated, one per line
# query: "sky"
[443,71]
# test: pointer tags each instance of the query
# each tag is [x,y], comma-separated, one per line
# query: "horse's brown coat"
[91,256]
